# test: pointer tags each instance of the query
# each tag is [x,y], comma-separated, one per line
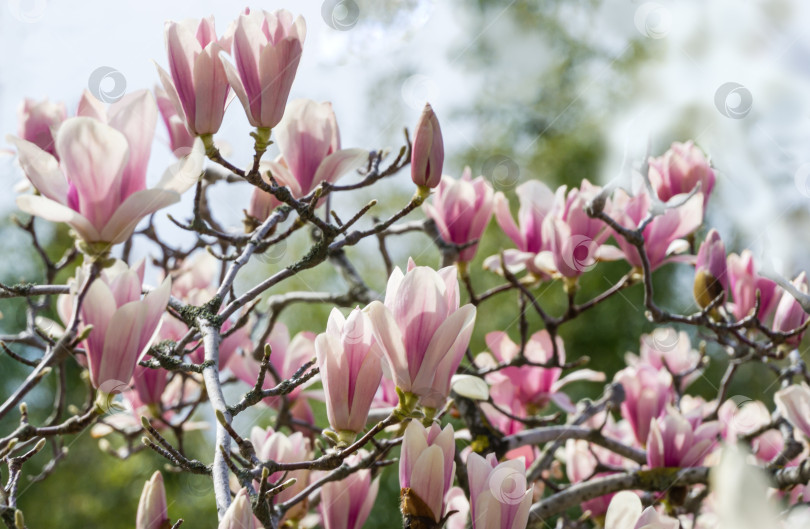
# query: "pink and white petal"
[42,169]
[185,172]
[454,333]
[121,346]
[135,116]
[623,512]
[389,338]
[580,375]
[56,212]
[338,164]
[135,208]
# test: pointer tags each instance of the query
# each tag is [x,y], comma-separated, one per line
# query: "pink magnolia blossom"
[647,393]
[625,512]
[457,501]
[149,383]
[180,139]
[679,170]
[427,152]
[536,202]
[574,240]
[711,276]
[98,184]
[670,350]
[793,402]
[742,417]
[461,210]
[267,47]
[534,386]
[583,458]
[294,448]
[503,394]
[38,121]
[286,358]
[422,331]
[196,83]
[123,323]
[346,504]
[152,510]
[309,140]
[744,283]
[426,464]
[680,441]
[239,514]
[499,497]
[663,236]
[350,367]
[789,313]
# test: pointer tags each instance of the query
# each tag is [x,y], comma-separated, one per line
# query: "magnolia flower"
[457,501]
[744,284]
[647,393]
[266,47]
[427,152]
[740,492]
[670,350]
[533,386]
[37,122]
[663,236]
[536,201]
[346,504]
[711,277]
[239,514]
[679,170]
[152,511]
[275,446]
[422,331]
[789,314]
[349,362]
[180,139]
[741,417]
[123,323]
[97,185]
[574,239]
[197,86]
[678,441]
[499,497]
[461,210]
[287,356]
[793,402]
[625,512]
[426,467]
[149,383]
[309,141]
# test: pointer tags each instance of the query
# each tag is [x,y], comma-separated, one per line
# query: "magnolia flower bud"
[427,153]
[711,278]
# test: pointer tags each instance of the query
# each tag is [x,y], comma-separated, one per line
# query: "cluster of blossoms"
[398,365]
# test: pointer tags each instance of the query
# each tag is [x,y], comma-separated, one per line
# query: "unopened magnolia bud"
[711,278]
[427,154]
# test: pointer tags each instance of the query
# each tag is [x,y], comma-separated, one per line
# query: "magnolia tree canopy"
[486,439]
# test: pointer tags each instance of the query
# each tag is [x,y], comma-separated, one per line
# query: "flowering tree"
[488,440]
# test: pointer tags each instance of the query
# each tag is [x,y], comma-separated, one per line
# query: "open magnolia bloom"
[625,512]
[98,183]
